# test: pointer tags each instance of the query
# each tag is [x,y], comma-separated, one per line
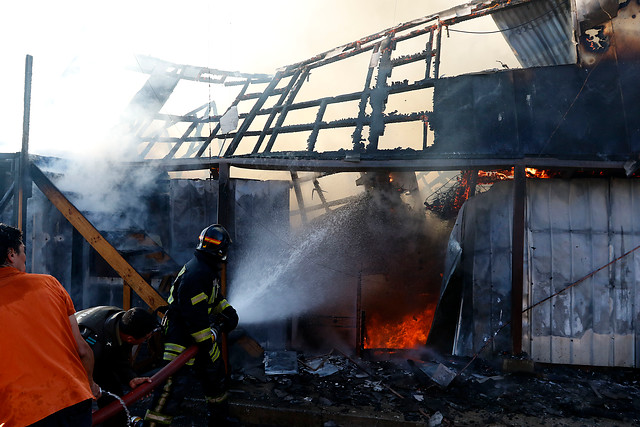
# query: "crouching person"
[111,333]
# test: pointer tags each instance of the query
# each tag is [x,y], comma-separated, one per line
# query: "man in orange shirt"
[45,365]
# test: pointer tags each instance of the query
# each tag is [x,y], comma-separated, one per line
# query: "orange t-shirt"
[40,370]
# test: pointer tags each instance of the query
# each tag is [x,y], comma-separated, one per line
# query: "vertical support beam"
[23,184]
[299,198]
[379,95]
[226,200]
[362,106]
[517,256]
[436,63]
[226,218]
[429,58]
[473,182]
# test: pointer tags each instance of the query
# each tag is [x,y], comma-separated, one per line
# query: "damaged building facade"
[377,257]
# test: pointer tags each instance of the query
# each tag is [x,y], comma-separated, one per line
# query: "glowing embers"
[447,200]
[411,331]
[489,177]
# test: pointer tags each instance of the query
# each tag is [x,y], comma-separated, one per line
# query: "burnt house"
[371,269]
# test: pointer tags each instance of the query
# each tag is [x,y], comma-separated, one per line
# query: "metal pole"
[24,155]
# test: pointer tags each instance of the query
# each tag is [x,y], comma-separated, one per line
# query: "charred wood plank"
[274,111]
[285,108]
[215,131]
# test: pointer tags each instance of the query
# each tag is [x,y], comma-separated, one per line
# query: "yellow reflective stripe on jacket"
[198,298]
[214,353]
[182,270]
[221,306]
[176,348]
[202,335]
[171,351]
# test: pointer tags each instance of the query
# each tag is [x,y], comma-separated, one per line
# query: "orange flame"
[410,332]
[502,175]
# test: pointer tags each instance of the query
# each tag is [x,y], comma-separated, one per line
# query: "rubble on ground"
[395,389]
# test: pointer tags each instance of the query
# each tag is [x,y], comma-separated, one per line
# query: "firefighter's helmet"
[215,240]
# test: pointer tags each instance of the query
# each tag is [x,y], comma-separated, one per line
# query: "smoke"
[281,276]
[111,195]
[318,268]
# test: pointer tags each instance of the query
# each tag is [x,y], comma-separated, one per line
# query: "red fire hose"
[103,414]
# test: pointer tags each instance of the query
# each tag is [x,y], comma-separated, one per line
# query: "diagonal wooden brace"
[95,239]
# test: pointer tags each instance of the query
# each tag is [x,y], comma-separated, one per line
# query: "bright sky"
[80,50]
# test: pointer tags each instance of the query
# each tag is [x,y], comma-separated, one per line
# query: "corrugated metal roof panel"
[540,32]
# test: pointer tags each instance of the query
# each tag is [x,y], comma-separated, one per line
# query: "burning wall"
[573,228]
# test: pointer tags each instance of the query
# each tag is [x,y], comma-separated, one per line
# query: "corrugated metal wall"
[574,227]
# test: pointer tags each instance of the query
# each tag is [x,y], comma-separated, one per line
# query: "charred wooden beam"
[269,91]
[517,257]
[284,108]
[295,80]
[95,239]
[343,161]
[215,131]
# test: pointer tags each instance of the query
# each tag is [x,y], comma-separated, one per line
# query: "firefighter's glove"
[206,346]
[215,330]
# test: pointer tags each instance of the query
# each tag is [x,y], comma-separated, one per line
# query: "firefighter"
[111,333]
[198,314]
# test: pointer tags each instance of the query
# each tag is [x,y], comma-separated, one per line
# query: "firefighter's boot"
[218,411]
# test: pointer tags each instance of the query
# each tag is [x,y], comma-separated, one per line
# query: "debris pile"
[399,389]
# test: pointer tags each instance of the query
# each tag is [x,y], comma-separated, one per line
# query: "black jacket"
[196,301]
[112,357]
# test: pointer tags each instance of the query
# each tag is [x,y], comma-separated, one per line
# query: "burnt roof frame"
[383,41]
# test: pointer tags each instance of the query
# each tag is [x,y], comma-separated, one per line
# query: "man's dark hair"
[10,237]
[138,322]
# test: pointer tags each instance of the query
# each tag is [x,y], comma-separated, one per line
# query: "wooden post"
[23,191]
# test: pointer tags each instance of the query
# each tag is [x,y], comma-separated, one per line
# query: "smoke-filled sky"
[81,50]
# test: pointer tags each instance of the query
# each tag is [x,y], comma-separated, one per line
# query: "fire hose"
[103,414]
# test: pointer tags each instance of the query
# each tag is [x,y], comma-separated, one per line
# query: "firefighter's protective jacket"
[196,304]
[99,326]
